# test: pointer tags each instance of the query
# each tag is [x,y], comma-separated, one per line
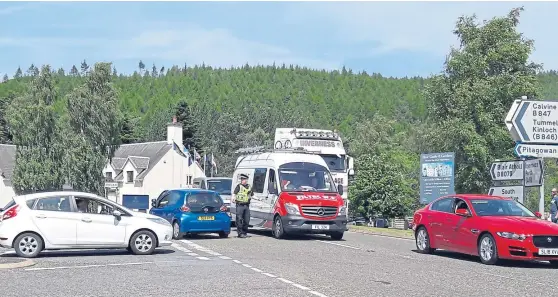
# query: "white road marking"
[284,280]
[256,270]
[339,244]
[269,274]
[193,254]
[203,258]
[246,265]
[236,261]
[384,236]
[301,287]
[95,265]
[181,248]
[225,257]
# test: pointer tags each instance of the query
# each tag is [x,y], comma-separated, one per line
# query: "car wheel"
[488,252]
[422,240]
[223,234]
[143,243]
[176,234]
[337,235]
[28,245]
[277,229]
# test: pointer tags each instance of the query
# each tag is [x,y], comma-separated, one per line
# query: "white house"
[137,173]
[7,164]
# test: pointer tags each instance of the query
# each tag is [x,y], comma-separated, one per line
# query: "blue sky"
[391,38]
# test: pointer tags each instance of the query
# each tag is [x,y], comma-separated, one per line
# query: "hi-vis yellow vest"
[242,196]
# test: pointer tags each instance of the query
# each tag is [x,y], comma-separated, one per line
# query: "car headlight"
[342,210]
[159,221]
[292,208]
[511,235]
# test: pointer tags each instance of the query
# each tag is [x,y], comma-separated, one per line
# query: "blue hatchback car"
[192,211]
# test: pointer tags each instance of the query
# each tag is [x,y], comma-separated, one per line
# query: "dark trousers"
[242,218]
[553,218]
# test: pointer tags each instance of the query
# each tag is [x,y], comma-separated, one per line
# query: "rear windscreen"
[199,201]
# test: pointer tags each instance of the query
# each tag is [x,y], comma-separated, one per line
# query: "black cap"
[243,176]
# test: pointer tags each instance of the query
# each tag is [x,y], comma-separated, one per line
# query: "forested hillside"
[392,119]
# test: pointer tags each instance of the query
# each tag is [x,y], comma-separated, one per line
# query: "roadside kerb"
[18,264]
[376,233]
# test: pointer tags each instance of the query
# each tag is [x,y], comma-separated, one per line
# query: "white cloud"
[11,9]
[426,26]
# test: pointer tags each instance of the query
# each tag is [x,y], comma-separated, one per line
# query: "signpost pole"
[541,198]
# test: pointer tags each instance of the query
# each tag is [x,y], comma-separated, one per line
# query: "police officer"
[242,196]
[554,205]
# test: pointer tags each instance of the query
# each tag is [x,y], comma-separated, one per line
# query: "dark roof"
[7,160]
[143,157]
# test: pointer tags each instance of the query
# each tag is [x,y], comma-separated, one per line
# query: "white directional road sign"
[515,192]
[533,172]
[509,118]
[511,170]
[536,150]
[537,122]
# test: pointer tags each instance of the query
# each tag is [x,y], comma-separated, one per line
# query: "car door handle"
[87,220]
[40,216]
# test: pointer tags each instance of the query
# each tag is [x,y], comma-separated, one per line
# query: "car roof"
[474,196]
[55,193]
[193,191]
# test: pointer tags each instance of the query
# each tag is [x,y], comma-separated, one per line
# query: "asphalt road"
[360,265]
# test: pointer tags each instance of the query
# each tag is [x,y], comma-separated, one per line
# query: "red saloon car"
[490,227]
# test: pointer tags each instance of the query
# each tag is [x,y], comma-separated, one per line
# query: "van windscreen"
[302,176]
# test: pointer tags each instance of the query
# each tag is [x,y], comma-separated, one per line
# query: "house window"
[108,176]
[130,176]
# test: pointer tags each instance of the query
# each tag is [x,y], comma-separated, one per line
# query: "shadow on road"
[502,263]
[300,237]
[87,253]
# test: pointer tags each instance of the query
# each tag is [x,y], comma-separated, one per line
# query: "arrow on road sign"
[509,170]
[536,150]
[515,192]
[537,122]
[509,118]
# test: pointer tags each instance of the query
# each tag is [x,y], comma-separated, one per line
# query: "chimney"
[174,133]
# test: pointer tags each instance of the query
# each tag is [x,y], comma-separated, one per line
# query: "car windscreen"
[303,176]
[199,201]
[221,186]
[500,207]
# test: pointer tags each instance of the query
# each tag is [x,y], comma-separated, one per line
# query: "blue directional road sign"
[536,150]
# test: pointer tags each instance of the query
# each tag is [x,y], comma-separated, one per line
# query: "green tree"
[5,78]
[18,73]
[74,71]
[84,68]
[33,122]
[184,115]
[93,129]
[481,79]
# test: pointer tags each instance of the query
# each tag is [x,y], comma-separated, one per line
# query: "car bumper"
[524,250]
[222,223]
[303,225]
[8,232]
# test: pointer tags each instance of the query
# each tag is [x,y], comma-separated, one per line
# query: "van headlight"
[292,208]
[159,221]
[342,210]
[511,235]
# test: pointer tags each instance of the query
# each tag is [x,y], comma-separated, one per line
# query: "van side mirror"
[340,189]
[153,202]
[351,172]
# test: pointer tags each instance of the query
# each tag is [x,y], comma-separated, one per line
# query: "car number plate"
[206,218]
[320,227]
[548,252]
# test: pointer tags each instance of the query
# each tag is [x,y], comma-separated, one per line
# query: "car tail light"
[184,208]
[224,208]
[10,213]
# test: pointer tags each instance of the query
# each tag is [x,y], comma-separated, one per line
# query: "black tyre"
[337,235]
[143,243]
[277,229]
[176,234]
[488,252]
[223,234]
[28,245]
[422,241]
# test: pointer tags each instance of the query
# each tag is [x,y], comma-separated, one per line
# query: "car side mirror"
[117,213]
[538,214]
[340,189]
[153,202]
[462,212]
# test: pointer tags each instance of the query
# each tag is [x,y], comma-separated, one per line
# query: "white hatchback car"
[75,220]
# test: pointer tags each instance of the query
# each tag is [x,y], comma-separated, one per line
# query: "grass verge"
[383,231]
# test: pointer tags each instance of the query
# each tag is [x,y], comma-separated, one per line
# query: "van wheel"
[277,229]
[28,245]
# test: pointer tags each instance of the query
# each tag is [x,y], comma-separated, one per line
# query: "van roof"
[279,158]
